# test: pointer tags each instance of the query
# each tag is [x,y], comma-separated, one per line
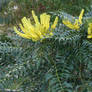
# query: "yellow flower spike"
[90,31]
[76,24]
[22,28]
[39,30]
[42,18]
[26,31]
[26,24]
[51,34]
[55,23]
[21,34]
[90,25]
[35,17]
[80,16]
[68,24]
[89,36]
[29,29]
[45,20]
[30,24]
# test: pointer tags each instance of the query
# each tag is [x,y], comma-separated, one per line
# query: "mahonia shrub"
[43,56]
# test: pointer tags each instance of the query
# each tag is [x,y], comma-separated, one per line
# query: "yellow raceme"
[76,24]
[40,30]
[90,31]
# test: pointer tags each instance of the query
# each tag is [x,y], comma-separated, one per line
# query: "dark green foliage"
[39,6]
[62,63]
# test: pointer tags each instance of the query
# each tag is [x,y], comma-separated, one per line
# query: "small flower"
[15,7]
[5,13]
[90,31]
[77,22]
[40,30]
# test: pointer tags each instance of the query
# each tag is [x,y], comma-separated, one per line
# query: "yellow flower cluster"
[42,29]
[77,22]
[39,30]
[90,31]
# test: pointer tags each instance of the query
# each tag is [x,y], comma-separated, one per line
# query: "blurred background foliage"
[62,63]
[14,10]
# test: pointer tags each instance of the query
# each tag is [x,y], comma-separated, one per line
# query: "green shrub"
[62,63]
